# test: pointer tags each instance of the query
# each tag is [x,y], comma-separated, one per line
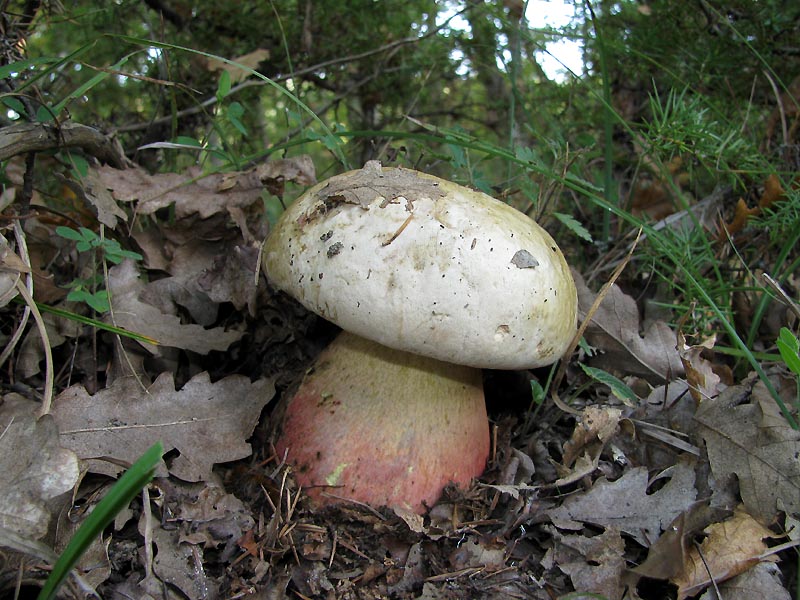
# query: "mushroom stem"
[384,427]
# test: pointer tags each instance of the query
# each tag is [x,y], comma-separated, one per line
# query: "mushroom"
[431,282]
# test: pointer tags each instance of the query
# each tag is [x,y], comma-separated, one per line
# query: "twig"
[562,369]
[357,503]
[48,354]
[780,548]
[26,291]
[782,295]
[148,533]
[708,570]
[399,230]
[12,343]
[779,103]
[136,375]
[37,137]
[334,543]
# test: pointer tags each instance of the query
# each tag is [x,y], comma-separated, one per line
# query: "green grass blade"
[737,353]
[118,497]
[65,314]
[738,342]
[22,65]
[52,69]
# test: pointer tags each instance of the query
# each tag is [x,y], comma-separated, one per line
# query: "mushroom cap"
[420,264]
[384,427]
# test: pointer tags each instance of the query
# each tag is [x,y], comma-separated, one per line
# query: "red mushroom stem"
[384,427]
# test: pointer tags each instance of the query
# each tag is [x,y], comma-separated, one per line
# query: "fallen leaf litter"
[242,527]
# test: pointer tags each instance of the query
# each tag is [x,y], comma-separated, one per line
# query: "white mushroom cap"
[427,266]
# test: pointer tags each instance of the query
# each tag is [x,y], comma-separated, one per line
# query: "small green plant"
[85,290]
[88,290]
[574,226]
[231,112]
[86,240]
[789,348]
[685,123]
[618,387]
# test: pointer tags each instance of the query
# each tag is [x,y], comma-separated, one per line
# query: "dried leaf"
[154,245]
[219,517]
[204,273]
[133,314]
[773,192]
[250,60]
[703,381]
[414,520]
[413,573]
[231,278]
[275,173]
[194,192]
[626,505]
[188,263]
[169,293]
[206,515]
[179,565]
[30,358]
[663,427]
[34,468]
[668,555]
[360,188]
[594,564]
[94,565]
[11,265]
[731,548]
[478,553]
[761,581]
[92,190]
[191,193]
[742,214]
[597,425]
[515,474]
[512,490]
[615,330]
[207,422]
[749,441]
[583,467]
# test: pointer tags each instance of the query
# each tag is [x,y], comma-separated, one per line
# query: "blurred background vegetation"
[681,117]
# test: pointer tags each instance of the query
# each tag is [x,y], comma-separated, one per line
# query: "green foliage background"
[689,99]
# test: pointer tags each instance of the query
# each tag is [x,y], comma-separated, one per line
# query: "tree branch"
[37,137]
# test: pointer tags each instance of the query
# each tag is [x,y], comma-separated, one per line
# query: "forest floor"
[679,490]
